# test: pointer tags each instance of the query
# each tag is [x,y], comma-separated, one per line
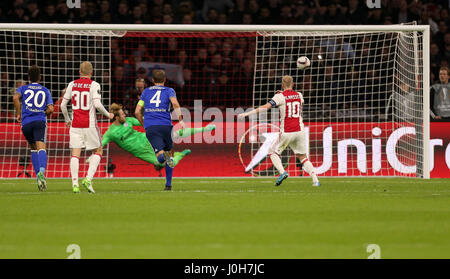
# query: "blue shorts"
[160,137]
[35,131]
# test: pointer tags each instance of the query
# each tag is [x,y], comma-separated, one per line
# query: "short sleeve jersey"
[35,99]
[157,105]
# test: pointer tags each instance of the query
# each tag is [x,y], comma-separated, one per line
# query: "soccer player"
[32,112]
[156,101]
[291,128]
[122,133]
[84,93]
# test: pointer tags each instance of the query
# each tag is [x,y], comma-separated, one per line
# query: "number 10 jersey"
[290,104]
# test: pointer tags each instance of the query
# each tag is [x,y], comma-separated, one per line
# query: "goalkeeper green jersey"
[128,138]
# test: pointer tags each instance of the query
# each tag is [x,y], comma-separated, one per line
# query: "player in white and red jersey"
[292,132]
[84,93]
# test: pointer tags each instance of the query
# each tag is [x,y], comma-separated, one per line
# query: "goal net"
[365,109]
[364,96]
[58,53]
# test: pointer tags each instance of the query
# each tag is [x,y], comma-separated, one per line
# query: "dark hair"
[159,76]
[444,68]
[34,73]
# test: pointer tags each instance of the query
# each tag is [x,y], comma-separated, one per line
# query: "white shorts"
[295,140]
[89,138]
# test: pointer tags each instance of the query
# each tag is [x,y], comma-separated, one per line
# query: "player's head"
[159,76]
[86,69]
[118,112]
[443,74]
[287,82]
[34,74]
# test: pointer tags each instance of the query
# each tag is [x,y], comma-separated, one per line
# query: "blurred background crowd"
[220,70]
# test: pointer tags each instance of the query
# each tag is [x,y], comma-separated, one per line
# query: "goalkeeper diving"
[122,133]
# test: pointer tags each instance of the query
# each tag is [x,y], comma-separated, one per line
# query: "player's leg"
[34,158]
[168,154]
[274,153]
[149,156]
[309,168]
[299,147]
[156,142]
[74,168]
[42,159]
[40,134]
[94,143]
[28,133]
[187,132]
[177,156]
[76,144]
[160,139]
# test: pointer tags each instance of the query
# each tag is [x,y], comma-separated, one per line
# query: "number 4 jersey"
[156,103]
[35,99]
[290,104]
[82,92]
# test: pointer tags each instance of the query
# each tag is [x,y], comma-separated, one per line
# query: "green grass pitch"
[227,218]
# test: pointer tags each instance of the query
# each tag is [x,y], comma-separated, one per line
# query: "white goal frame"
[425,29]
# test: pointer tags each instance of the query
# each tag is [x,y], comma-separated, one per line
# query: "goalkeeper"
[122,133]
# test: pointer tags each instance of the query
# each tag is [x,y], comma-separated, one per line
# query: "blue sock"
[161,158]
[42,160]
[35,161]
[169,172]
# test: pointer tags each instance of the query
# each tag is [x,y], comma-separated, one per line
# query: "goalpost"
[366,92]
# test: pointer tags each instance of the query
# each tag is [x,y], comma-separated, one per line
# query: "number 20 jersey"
[290,104]
[35,99]
[82,92]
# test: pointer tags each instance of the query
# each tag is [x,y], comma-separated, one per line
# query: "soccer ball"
[303,62]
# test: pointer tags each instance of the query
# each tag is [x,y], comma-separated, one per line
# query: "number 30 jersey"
[82,92]
[35,99]
[290,104]
[156,103]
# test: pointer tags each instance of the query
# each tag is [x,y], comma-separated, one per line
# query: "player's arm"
[256,111]
[274,102]
[17,106]
[99,106]
[138,111]
[98,103]
[177,110]
[66,98]
[50,108]
[134,121]
[105,138]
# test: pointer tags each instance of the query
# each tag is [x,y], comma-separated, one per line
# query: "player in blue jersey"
[32,113]
[156,101]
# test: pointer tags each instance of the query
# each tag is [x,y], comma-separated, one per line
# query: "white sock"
[93,164]
[277,162]
[309,168]
[74,166]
